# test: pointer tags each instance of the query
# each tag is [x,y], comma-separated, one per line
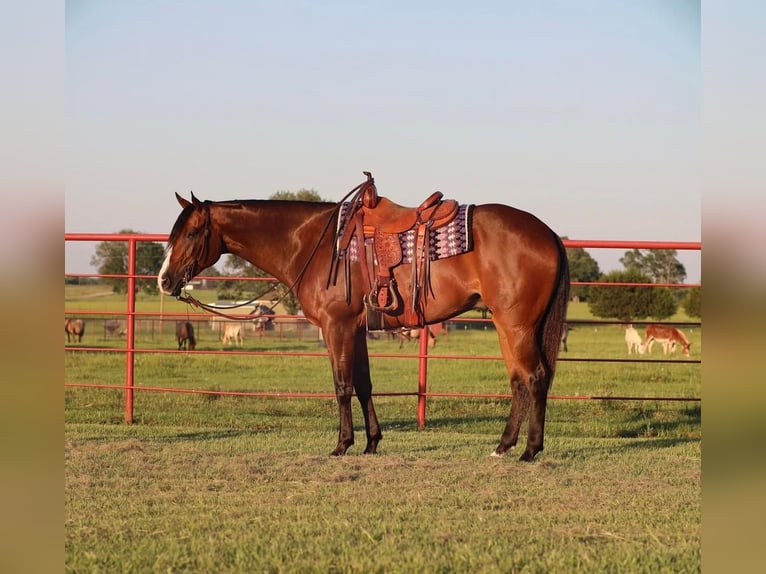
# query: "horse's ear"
[195,201]
[182,201]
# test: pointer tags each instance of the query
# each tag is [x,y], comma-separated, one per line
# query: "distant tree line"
[634,303]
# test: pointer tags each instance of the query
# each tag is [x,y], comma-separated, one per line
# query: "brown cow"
[185,336]
[668,336]
[74,329]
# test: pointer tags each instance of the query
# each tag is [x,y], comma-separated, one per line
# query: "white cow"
[633,340]
[232,333]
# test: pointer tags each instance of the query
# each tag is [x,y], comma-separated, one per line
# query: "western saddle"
[377,222]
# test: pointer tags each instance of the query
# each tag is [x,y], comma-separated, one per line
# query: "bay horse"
[74,329]
[185,335]
[517,268]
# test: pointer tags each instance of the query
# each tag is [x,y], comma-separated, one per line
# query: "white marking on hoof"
[496,455]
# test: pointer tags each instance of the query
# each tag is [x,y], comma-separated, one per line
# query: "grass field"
[208,483]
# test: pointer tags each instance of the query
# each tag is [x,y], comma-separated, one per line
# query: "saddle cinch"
[377,223]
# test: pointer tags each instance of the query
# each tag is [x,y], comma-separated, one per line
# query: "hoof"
[528,456]
[372,444]
[501,450]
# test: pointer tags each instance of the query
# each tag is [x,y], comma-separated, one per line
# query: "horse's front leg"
[363,386]
[341,347]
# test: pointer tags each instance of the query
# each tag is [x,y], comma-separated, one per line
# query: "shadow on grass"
[442,423]
[643,424]
[214,434]
[653,443]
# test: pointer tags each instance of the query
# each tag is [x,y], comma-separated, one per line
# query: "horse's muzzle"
[165,281]
[167,287]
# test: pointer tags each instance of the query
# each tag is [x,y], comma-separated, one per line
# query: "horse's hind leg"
[529,386]
[363,388]
[539,383]
[519,411]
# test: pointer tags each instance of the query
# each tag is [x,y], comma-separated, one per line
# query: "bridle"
[205,247]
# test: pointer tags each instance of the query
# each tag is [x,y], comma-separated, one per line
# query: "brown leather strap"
[431,200]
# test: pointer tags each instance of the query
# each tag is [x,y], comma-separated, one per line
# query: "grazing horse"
[74,329]
[668,337]
[516,267]
[185,335]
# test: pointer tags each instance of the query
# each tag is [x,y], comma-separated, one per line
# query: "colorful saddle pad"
[446,241]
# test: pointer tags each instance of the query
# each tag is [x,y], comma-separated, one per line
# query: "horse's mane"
[183,217]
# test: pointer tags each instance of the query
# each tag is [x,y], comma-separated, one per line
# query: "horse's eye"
[191,234]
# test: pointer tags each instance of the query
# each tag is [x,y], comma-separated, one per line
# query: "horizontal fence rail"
[129,320]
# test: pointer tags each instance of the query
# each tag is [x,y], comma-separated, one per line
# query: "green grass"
[206,483]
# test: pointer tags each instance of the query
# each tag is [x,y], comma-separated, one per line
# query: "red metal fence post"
[423,377]
[131,335]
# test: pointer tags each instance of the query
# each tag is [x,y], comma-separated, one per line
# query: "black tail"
[557,313]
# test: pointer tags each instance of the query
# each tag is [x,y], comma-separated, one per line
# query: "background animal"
[74,329]
[414,335]
[231,333]
[565,335]
[668,336]
[185,335]
[263,320]
[115,327]
[633,340]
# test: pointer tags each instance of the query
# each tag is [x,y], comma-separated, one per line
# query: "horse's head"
[192,246]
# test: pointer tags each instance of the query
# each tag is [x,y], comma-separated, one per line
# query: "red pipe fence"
[422,393]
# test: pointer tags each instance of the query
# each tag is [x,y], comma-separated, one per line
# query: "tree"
[692,303]
[210,272]
[235,266]
[663,304]
[582,267]
[111,258]
[630,303]
[661,265]
[300,195]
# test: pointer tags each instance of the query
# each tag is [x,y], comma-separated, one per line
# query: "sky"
[586,114]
